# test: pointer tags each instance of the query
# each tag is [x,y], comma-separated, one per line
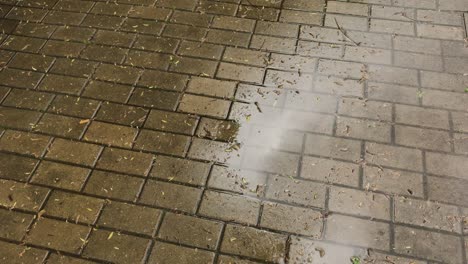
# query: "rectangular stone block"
[347,8]
[427,214]
[170,253]
[254,243]
[392,27]
[58,235]
[190,230]
[393,93]
[333,147]
[393,181]
[277,29]
[393,13]
[456,65]
[330,171]
[350,22]
[272,161]
[447,165]
[428,4]
[443,81]
[228,179]
[448,190]
[368,55]
[365,109]
[413,44]
[229,207]
[116,247]
[74,208]
[361,203]
[15,224]
[246,56]
[418,61]
[422,243]
[164,143]
[23,254]
[438,17]
[439,32]
[240,73]
[201,105]
[233,23]
[363,129]
[422,138]
[295,191]
[303,250]
[419,116]
[460,121]
[393,156]
[292,219]
[308,18]
[358,232]
[369,39]
[339,86]
[393,75]
[170,196]
[340,68]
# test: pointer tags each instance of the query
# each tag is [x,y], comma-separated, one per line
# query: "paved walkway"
[233,131]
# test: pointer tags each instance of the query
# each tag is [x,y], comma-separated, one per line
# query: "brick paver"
[233,131]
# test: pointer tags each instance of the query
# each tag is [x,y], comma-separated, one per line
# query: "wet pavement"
[234,131]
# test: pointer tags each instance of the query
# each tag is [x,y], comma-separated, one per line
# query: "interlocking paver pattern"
[233,131]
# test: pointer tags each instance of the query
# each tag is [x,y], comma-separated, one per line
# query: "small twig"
[249,3]
[253,6]
[465,25]
[258,107]
[403,14]
[344,34]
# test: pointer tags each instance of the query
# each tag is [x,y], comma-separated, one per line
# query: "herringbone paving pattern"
[233,131]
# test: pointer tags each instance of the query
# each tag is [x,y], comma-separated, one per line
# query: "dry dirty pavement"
[233,131]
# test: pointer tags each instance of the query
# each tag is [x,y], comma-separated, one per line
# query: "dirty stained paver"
[233,131]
